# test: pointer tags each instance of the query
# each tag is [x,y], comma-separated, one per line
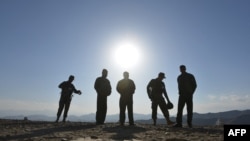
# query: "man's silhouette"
[186,85]
[126,89]
[103,89]
[66,95]
[155,89]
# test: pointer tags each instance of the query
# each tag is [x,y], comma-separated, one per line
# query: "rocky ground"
[24,130]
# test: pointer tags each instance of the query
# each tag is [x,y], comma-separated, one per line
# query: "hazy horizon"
[52,113]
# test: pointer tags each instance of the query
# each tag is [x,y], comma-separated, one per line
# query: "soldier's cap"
[161,74]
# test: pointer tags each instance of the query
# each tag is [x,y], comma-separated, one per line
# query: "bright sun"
[127,55]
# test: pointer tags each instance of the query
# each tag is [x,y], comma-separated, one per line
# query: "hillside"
[82,131]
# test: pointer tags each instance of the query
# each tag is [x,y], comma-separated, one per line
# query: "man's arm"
[194,84]
[96,84]
[178,83]
[109,88]
[75,90]
[118,87]
[149,89]
[165,93]
[61,85]
[132,87]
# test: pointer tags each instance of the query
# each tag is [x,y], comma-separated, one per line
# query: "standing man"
[186,86]
[103,89]
[155,89]
[66,95]
[126,89]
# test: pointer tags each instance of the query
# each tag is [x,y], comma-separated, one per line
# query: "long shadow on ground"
[124,132]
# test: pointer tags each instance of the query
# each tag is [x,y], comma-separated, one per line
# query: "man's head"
[161,75]
[104,72]
[126,75]
[182,68]
[71,78]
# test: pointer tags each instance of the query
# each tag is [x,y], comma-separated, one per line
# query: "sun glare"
[127,55]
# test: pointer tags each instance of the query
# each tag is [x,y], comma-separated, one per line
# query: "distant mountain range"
[220,118]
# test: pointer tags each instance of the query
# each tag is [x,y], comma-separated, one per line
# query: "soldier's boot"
[154,122]
[64,119]
[169,122]
[57,119]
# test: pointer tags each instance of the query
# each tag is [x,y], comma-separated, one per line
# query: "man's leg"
[181,104]
[164,109]
[59,112]
[67,105]
[130,112]
[189,111]
[103,111]
[154,111]
[122,111]
[98,109]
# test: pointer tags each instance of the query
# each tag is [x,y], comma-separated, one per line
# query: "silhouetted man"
[126,89]
[155,89]
[103,89]
[186,86]
[66,95]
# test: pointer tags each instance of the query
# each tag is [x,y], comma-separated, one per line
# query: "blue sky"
[42,42]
